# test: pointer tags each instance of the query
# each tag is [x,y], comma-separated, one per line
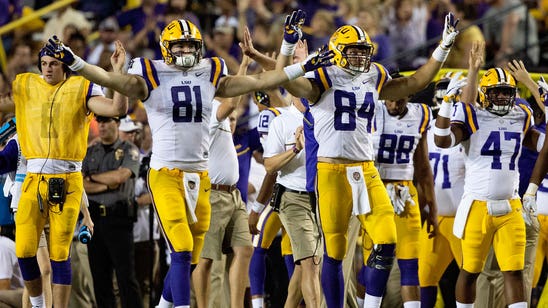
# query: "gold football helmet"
[181,31]
[351,36]
[497,91]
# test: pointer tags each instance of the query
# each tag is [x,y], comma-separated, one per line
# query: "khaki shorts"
[228,227]
[299,223]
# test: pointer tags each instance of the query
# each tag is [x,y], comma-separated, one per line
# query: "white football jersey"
[179,109]
[492,150]
[265,118]
[223,161]
[448,170]
[397,139]
[344,114]
[282,138]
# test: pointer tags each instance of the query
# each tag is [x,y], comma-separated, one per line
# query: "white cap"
[128,125]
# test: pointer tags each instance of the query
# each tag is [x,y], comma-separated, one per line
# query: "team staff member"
[53,113]
[178,94]
[109,169]
[283,155]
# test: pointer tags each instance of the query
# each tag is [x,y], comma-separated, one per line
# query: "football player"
[402,156]
[177,92]
[343,100]
[490,211]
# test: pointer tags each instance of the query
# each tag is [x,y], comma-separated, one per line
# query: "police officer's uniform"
[113,213]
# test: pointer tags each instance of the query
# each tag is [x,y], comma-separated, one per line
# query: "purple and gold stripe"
[323,78]
[382,76]
[217,67]
[528,115]
[470,118]
[425,120]
[150,74]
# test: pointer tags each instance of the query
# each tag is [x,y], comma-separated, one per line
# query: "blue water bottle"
[84,236]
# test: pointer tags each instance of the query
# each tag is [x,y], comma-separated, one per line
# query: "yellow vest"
[52,120]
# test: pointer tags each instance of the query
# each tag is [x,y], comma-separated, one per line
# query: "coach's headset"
[45,52]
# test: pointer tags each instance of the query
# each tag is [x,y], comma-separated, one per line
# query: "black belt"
[296,191]
[120,209]
[221,187]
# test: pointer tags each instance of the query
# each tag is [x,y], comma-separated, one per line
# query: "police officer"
[109,170]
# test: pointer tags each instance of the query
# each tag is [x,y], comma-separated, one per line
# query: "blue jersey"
[311,146]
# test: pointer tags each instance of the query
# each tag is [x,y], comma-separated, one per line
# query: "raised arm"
[249,50]
[475,62]
[229,105]
[118,106]
[300,87]
[518,70]
[402,87]
[129,85]
[230,86]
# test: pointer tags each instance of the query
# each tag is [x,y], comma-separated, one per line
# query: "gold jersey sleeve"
[52,120]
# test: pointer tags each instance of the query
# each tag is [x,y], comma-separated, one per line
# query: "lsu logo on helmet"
[181,31]
[497,91]
[357,59]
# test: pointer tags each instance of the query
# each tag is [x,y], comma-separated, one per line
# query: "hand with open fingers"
[292,26]
[518,70]
[543,89]
[318,59]
[455,84]
[64,54]
[301,51]
[476,58]
[246,45]
[118,57]
[449,31]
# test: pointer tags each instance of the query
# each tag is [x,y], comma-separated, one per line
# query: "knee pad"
[29,268]
[409,269]
[382,257]
[61,272]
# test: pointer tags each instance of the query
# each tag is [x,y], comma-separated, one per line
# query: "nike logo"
[208,189]
[409,125]
[513,122]
[373,176]
[199,74]
[69,192]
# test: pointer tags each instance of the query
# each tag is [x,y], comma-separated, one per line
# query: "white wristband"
[445,110]
[531,189]
[78,64]
[540,141]
[287,49]
[442,131]
[294,71]
[257,207]
[440,53]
